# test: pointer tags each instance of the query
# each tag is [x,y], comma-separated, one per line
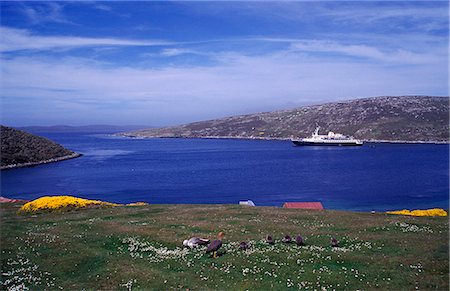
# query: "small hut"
[247,203]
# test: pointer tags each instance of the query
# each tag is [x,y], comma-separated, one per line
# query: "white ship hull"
[327,143]
[331,139]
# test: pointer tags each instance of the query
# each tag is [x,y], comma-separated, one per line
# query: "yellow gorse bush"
[427,212]
[50,203]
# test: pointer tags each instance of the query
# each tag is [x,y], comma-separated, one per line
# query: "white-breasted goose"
[194,242]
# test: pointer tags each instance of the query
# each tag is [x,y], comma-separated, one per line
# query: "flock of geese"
[215,245]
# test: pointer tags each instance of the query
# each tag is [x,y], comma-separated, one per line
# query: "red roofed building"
[7,200]
[303,205]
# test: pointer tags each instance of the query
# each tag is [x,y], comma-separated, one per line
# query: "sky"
[167,63]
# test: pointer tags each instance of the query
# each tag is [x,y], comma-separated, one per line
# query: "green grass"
[140,248]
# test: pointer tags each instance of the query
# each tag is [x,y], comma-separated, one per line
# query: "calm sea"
[373,177]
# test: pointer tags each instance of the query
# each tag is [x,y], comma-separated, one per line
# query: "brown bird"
[299,241]
[287,239]
[269,240]
[244,246]
[334,243]
[215,245]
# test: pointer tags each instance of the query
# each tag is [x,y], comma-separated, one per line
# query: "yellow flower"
[50,203]
[427,212]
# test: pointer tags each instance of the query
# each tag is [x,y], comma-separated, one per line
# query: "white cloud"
[103,7]
[363,14]
[170,52]
[46,12]
[238,84]
[19,39]
[299,72]
[391,55]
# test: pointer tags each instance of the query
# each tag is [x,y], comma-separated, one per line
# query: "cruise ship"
[331,139]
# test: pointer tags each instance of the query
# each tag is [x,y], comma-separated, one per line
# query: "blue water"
[373,177]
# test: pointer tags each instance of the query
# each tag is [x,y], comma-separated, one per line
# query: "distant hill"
[83,128]
[19,149]
[399,118]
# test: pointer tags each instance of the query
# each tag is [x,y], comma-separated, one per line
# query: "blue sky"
[165,63]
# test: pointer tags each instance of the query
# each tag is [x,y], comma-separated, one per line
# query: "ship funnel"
[316,132]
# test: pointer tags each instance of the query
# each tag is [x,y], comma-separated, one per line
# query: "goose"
[334,243]
[299,241]
[194,242]
[287,239]
[244,246]
[215,245]
[270,240]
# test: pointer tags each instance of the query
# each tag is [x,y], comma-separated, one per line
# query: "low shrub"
[52,203]
[427,212]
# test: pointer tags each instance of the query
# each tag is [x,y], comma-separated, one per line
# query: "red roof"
[7,200]
[303,205]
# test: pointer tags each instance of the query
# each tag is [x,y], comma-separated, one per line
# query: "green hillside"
[404,118]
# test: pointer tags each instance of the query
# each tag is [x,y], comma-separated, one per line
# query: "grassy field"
[141,248]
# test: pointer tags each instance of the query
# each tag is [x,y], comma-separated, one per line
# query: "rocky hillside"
[400,118]
[19,149]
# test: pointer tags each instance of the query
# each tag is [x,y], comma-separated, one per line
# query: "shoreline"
[32,164]
[280,138]
[218,205]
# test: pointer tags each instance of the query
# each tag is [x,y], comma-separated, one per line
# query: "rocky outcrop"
[22,149]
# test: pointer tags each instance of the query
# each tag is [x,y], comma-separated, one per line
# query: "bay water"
[375,176]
